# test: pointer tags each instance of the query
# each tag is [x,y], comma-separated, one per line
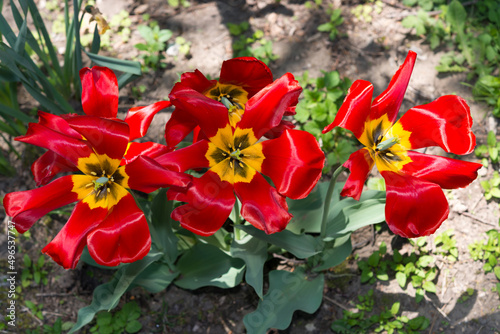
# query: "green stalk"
[328,199]
[78,52]
[237,220]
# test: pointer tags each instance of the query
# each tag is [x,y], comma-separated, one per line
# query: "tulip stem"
[237,220]
[328,199]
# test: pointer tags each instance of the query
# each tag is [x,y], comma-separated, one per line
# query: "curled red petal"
[66,248]
[360,163]
[99,92]
[209,202]
[58,124]
[294,162]
[190,157]
[122,237]
[389,102]
[262,205]
[278,131]
[265,109]
[447,173]
[26,207]
[179,125]
[208,114]
[48,165]
[355,109]
[414,207]
[106,136]
[146,175]
[445,122]
[197,81]
[247,72]
[139,118]
[65,146]
[148,149]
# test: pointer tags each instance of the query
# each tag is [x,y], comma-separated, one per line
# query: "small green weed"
[318,107]
[156,39]
[490,150]
[488,251]
[251,46]
[33,271]
[58,328]
[374,268]
[466,295]
[490,187]
[447,245]
[427,5]
[388,320]
[331,27]
[123,321]
[179,3]
[419,270]
[364,12]
[35,309]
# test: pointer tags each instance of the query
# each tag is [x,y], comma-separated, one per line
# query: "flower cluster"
[228,117]
[245,148]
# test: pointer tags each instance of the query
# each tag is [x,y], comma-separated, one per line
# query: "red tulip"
[416,206]
[106,217]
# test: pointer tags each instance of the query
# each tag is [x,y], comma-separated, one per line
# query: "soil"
[364,50]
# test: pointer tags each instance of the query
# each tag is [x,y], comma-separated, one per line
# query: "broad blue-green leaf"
[301,246]
[335,255]
[162,233]
[106,296]
[156,277]
[254,252]
[307,212]
[349,215]
[288,292]
[207,265]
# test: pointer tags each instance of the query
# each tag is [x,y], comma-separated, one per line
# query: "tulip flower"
[237,160]
[106,217]
[240,79]
[416,205]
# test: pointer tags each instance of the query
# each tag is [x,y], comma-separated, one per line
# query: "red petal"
[49,165]
[360,163]
[247,72]
[445,122]
[355,109]
[66,248]
[197,81]
[99,91]
[294,162]
[122,237]
[147,175]
[414,207]
[209,114]
[26,207]
[57,124]
[447,173]
[389,102]
[265,109]
[67,147]
[209,203]
[106,136]
[278,131]
[190,157]
[262,205]
[180,124]
[139,118]
[148,149]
